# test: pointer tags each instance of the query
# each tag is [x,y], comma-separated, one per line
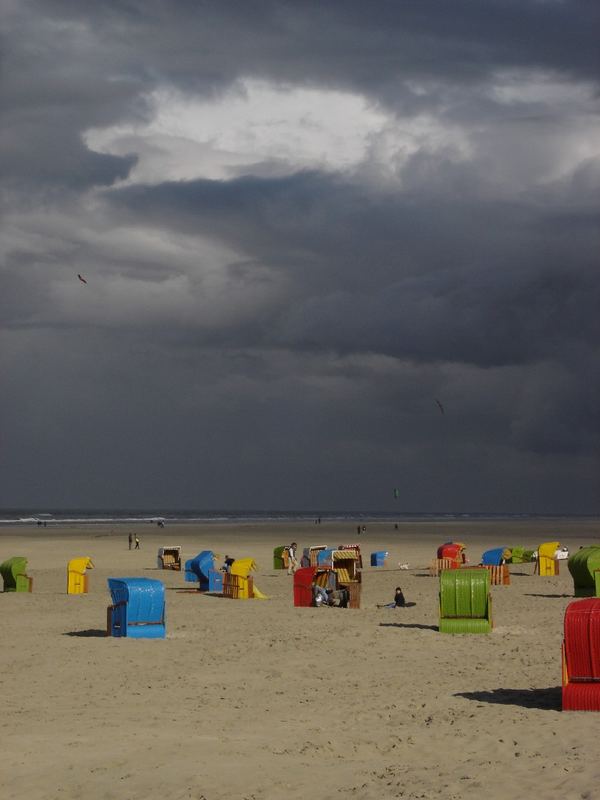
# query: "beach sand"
[260,700]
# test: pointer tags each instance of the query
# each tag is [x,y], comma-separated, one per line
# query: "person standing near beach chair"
[292,560]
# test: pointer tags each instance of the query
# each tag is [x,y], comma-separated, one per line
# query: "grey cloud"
[342,304]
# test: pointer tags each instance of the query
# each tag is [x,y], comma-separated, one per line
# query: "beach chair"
[450,555]
[310,555]
[520,555]
[198,569]
[465,601]
[547,563]
[137,610]
[13,572]
[169,557]
[77,580]
[215,581]
[356,548]
[583,566]
[378,559]
[303,584]
[280,557]
[495,562]
[238,584]
[581,656]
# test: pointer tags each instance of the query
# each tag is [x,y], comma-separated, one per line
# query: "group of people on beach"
[131,540]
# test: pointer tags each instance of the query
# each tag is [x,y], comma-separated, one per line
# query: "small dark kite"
[83,280]
[440,405]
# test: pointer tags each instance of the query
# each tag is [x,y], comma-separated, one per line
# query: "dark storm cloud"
[300,364]
[411,275]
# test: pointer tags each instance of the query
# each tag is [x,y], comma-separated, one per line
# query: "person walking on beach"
[130,539]
[137,542]
[292,560]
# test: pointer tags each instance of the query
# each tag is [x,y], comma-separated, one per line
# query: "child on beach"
[398,602]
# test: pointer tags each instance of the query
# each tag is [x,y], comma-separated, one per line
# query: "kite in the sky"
[83,280]
[440,405]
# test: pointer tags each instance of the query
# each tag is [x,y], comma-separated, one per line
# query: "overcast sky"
[301,224]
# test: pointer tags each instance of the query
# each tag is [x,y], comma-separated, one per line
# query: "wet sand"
[260,700]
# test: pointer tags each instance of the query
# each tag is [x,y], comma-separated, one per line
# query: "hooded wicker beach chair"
[581,656]
[197,569]
[465,601]
[13,572]
[138,609]
[584,566]
[77,579]
[547,563]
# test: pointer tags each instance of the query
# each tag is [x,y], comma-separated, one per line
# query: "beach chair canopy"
[453,550]
[145,598]
[548,549]
[495,557]
[201,564]
[243,566]
[80,564]
[13,572]
[582,566]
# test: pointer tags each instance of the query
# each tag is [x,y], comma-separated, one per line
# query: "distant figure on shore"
[130,540]
[398,602]
[364,528]
[161,523]
[358,530]
[292,559]
[137,542]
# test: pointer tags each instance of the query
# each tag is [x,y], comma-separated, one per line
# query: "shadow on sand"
[544,699]
[87,633]
[408,625]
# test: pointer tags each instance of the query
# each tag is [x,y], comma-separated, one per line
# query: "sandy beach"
[260,700]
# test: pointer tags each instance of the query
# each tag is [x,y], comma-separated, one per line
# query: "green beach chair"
[583,566]
[13,574]
[465,602]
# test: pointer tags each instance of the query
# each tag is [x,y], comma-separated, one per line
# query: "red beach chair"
[581,656]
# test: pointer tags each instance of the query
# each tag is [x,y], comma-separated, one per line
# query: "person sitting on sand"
[320,597]
[398,602]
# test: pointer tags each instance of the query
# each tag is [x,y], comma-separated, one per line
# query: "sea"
[50,517]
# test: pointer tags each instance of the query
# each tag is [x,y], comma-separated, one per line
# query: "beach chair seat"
[465,601]
[581,656]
